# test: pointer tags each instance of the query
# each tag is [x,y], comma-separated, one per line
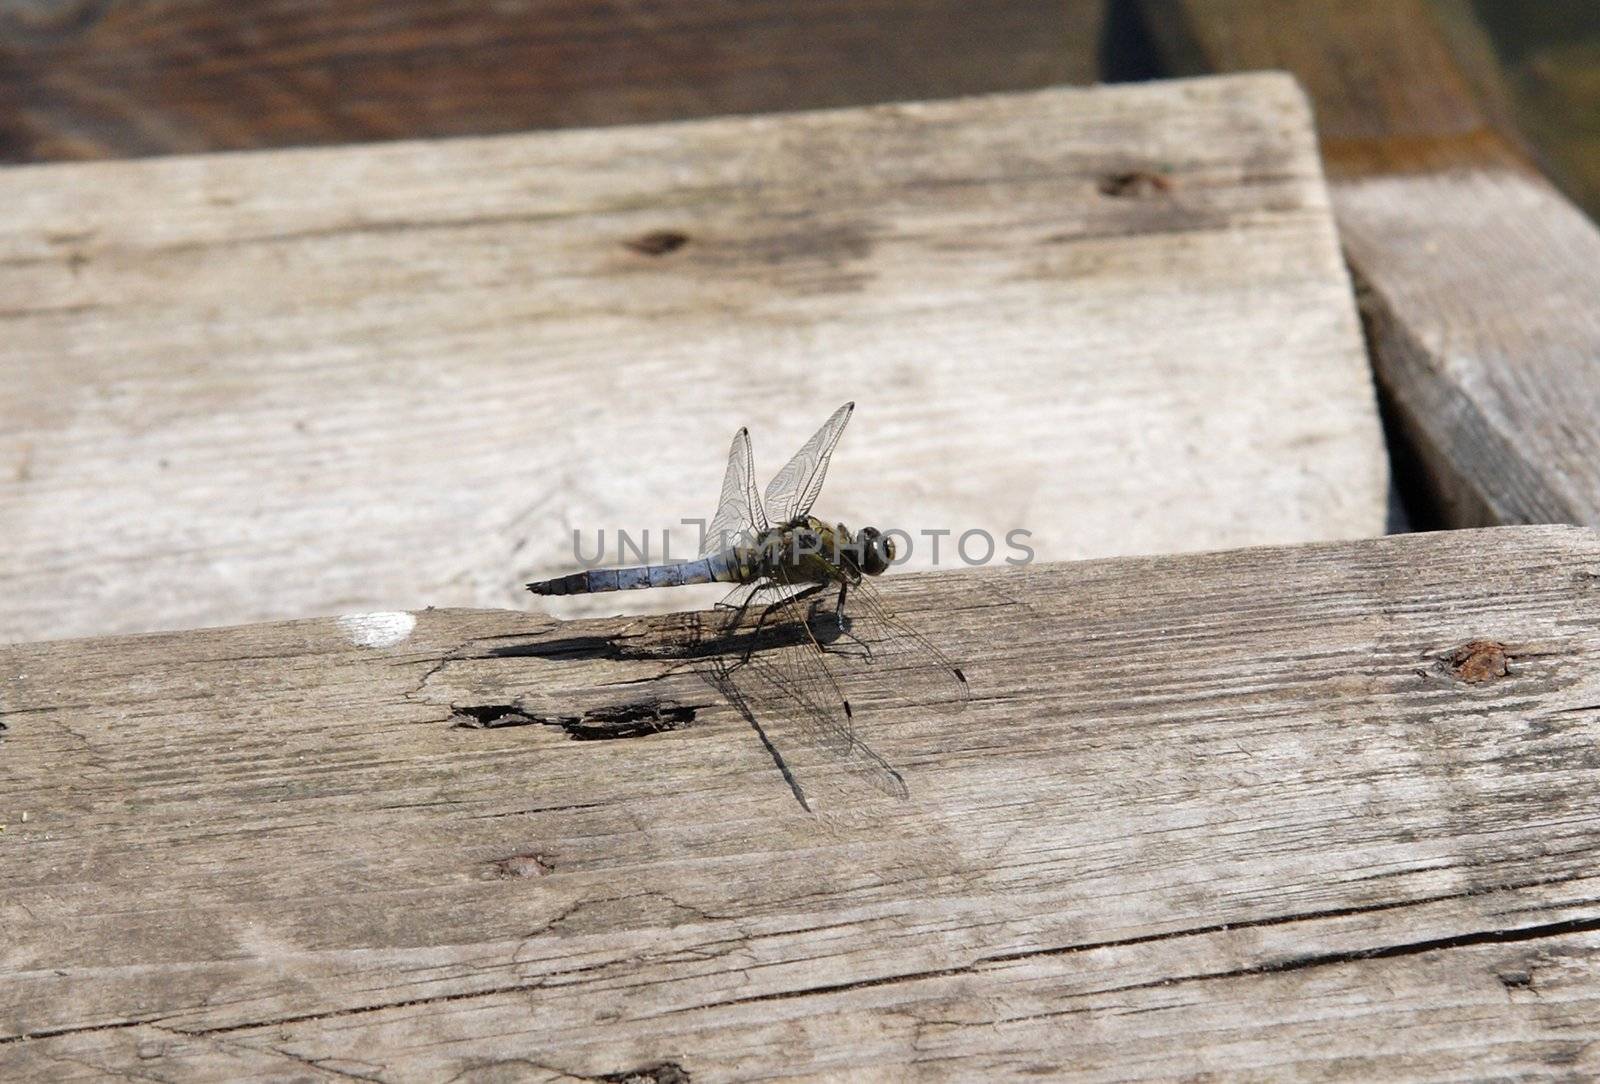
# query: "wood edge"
[1271,82]
[1529,535]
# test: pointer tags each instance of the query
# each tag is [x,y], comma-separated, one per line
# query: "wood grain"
[1483,295]
[103,78]
[1479,279]
[302,382]
[1265,813]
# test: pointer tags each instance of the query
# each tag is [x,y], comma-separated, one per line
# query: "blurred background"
[83,79]
[1550,52]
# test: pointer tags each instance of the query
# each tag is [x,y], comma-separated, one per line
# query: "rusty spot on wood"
[658,242]
[1135,184]
[524,865]
[1478,661]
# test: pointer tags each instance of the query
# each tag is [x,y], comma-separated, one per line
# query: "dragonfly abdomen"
[713,569]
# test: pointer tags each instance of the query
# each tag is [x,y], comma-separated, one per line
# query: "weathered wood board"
[89,80]
[288,383]
[1480,280]
[1484,293]
[1323,811]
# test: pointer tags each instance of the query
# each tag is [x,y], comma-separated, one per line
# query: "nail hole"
[1134,184]
[658,242]
[524,865]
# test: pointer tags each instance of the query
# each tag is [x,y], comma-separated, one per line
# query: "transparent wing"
[739,511]
[896,658]
[775,671]
[794,489]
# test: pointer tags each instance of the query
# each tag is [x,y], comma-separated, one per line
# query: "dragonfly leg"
[838,613]
[767,612]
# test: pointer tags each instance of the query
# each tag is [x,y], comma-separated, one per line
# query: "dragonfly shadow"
[689,638]
[776,677]
[758,668]
[767,711]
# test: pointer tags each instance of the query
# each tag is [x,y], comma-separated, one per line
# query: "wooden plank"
[1482,291]
[1315,811]
[302,382]
[113,80]
[1480,280]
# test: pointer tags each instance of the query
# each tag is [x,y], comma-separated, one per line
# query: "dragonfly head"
[877,551]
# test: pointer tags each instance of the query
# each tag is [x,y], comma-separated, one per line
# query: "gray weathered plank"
[1324,810]
[1480,279]
[1483,289]
[271,385]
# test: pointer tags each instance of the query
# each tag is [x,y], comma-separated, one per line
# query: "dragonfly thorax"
[812,551]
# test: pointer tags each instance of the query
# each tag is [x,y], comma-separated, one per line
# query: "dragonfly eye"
[877,552]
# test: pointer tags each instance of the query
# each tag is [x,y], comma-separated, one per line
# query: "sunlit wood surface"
[242,387]
[1322,811]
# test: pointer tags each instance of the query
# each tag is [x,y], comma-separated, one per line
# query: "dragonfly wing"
[773,667]
[897,656]
[740,515]
[794,489]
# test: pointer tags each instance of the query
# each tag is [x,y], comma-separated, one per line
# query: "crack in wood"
[664,1072]
[597,724]
[567,808]
[1198,931]
[1310,960]
[1328,959]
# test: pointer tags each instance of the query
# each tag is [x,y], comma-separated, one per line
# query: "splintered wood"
[243,387]
[1324,810]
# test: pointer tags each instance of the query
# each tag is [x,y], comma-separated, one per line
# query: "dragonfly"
[803,607]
